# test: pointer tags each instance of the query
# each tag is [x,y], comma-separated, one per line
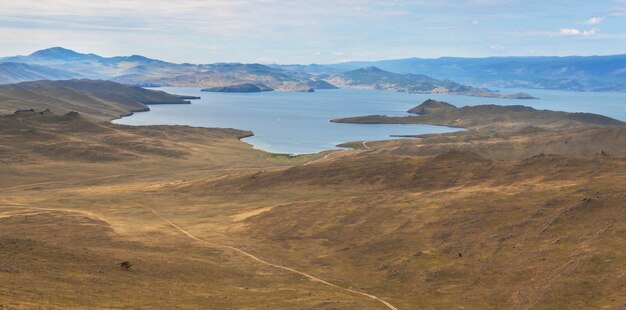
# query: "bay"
[297,123]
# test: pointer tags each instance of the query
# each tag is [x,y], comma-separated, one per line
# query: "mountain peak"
[56,53]
[372,69]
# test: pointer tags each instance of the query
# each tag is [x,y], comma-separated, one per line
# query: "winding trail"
[365,145]
[13,205]
[312,161]
[255,258]
[234,249]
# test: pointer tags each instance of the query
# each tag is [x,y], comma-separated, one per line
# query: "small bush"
[126,265]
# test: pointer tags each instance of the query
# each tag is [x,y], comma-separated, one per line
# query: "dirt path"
[63,181]
[251,256]
[312,161]
[20,206]
[128,174]
[365,145]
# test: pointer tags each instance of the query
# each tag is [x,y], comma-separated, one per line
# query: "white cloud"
[574,32]
[595,20]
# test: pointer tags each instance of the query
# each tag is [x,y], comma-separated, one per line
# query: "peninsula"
[239,88]
[487,117]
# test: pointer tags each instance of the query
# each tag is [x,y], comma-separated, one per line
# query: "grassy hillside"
[467,219]
[102,100]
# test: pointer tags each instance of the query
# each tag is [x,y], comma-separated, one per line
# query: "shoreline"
[338,146]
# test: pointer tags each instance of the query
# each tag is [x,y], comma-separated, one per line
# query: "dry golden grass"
[543,233]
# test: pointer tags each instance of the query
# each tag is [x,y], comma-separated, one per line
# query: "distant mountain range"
[445,75]
[376,78]
[58,63]
[577,73]
[373,77]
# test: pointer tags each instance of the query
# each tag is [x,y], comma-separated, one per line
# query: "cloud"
[295,30]
[574,32]
[595,20]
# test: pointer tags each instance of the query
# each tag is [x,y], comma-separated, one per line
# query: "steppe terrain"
[521,219]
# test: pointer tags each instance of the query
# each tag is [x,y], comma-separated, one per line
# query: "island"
[492,94]
[240,88]
[185,97]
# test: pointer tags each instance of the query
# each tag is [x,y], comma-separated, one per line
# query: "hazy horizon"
[279,63]
[324,32]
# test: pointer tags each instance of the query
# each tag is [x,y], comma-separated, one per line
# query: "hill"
[240,88]
[524,211]
[13,72]
[140,70]
[492,118]
[578,73]
[375,78]
[46,135]
[102,100]
[480,219]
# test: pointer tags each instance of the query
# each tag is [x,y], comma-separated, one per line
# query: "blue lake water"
[297,123]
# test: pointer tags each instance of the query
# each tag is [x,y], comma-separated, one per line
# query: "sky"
[319,31]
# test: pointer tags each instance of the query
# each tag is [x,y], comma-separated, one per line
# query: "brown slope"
[451,229]
[528,142]
[490,118]
[101,100]
[28,135]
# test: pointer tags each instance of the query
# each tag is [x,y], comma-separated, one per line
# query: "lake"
[298,123]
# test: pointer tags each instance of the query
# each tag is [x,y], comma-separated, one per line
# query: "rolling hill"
[375,78]
[522,219]
[102,100]
[489,118]
[60,63]
[14,72]
[578,73]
